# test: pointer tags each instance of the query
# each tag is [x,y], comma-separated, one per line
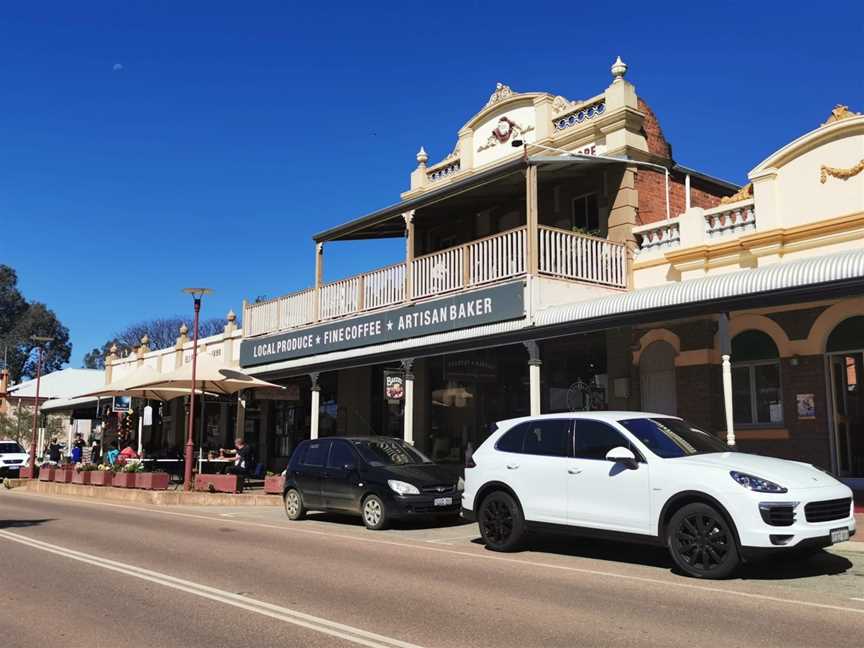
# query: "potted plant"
[124,476]
[46,472]
[273,483]
[156,480]
[83,473]
[102,476]
[24,472]
[218,483]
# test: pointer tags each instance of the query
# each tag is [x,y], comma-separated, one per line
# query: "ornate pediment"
[839,113]
[505,131]
[501,93]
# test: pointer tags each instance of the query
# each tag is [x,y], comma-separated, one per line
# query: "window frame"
[523,427]
[323,465]
[580,197]
[340,442]
[750,366]
[622,432]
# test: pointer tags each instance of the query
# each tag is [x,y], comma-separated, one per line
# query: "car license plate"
[839,535]
[447,501]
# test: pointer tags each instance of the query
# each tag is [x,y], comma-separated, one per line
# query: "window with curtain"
[756,391]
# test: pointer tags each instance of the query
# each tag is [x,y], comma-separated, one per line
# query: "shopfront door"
[847,373]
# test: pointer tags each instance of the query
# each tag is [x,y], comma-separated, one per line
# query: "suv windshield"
[389,452]
[11,448]
[669,438]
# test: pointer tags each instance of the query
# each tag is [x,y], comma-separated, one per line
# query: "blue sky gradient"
[147,146]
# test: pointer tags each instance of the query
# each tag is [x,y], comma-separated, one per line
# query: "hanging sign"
[462,311]
[394,387]
[121,404]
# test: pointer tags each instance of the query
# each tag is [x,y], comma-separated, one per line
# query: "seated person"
[244,459]
[112,454]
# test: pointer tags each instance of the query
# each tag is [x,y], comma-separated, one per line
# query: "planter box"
[124,480]
[101,478]
[47,474]
[24,472]
[63,476]
[82,476]
[274,484]
[151,480]
[219,483]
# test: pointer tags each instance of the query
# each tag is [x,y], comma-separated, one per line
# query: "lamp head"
[197,293]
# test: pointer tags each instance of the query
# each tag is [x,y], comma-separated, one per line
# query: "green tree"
[21,319]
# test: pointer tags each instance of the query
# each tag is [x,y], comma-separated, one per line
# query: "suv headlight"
[757,484]
[402,488]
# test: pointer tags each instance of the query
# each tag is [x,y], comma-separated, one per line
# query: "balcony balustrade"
[499,257]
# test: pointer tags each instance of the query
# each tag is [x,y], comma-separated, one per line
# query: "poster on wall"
[394,387]
[806,406]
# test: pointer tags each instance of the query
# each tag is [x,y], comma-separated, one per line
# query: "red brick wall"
[651,184]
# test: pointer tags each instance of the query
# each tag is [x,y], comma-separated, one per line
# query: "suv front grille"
[781,514]
[827,510]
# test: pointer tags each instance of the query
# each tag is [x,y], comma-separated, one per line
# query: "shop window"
[595,439]
[848,335]
[586,215]
[756,391]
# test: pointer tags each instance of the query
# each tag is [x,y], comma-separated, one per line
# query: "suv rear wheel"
[702,542]
[502,524]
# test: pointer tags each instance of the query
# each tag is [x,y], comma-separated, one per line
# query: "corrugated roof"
[64,404]
[61,384]
[825,269]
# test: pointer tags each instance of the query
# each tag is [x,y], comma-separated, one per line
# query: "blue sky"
[147,146]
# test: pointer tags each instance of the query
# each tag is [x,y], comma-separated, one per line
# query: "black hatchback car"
[379,478]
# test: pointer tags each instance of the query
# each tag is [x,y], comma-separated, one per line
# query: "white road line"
[482,556]
[318,624]
[856,599]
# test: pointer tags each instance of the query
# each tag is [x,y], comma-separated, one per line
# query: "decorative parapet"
[658,236]
[576,113]
[730,219]
[444,170]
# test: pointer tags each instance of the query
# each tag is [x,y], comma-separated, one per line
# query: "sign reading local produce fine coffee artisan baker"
[452,313]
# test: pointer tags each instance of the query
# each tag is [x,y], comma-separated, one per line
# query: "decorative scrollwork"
[842,174]
[562,123]
[839,113]
[744,193]
[501,93]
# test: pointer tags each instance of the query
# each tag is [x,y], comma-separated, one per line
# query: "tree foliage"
[162,333]
[21,319]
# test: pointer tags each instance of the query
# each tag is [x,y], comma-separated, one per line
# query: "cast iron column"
[187,456]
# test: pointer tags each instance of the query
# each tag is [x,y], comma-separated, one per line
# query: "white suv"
[654,478]
[12,458]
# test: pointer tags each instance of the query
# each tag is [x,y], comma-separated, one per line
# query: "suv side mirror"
[622,455]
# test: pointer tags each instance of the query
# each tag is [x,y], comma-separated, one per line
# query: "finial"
[619,69]
[184,329]
[422,157]
[231,317]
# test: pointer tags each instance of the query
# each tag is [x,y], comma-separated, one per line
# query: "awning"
[67,404]
[819,277]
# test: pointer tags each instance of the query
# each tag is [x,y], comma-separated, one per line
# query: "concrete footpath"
[138,496]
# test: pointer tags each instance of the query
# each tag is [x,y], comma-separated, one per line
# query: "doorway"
[845,352]
[657,379]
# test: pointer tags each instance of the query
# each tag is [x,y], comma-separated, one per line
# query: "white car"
[654,478]
[12,458]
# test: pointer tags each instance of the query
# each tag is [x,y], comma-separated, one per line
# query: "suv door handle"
[512,466]
[574,471]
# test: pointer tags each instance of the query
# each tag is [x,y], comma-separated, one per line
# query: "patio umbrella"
[211,376]
[131,385]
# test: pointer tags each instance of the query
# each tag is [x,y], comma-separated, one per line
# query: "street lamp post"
[197,294]
[39,340]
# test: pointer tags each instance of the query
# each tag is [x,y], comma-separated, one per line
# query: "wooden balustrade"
[439,272]
[497,257]
[585,258]
[383,287]
[340,298]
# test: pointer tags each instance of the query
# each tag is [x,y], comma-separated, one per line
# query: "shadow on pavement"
[18,524]
[795,565]
[419,523]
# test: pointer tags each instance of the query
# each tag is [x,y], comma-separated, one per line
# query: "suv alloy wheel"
[502,524]
[701,542]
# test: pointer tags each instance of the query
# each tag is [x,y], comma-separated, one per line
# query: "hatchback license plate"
[447,501]
[839,535]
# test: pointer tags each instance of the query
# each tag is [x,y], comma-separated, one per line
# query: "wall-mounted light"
[794,361]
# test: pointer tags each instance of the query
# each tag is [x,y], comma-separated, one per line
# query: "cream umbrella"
[211,376]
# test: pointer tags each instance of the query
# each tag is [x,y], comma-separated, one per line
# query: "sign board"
[462,311]
[121,404]
[394,387]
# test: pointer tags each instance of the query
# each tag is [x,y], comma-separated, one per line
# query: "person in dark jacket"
[54,451]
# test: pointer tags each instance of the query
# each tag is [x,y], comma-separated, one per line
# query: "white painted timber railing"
[383,287]
[288,311]
[497,257]
[585,258]
[730,219]
[439,272]
[340,298]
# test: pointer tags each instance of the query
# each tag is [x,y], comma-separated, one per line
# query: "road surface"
[85,573]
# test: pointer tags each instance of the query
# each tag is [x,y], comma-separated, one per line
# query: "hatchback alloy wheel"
[701,542]
[374,513]
[294,508]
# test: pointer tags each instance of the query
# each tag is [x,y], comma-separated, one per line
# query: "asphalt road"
[78,573]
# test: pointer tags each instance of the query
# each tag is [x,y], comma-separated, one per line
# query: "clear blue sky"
[235,130]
